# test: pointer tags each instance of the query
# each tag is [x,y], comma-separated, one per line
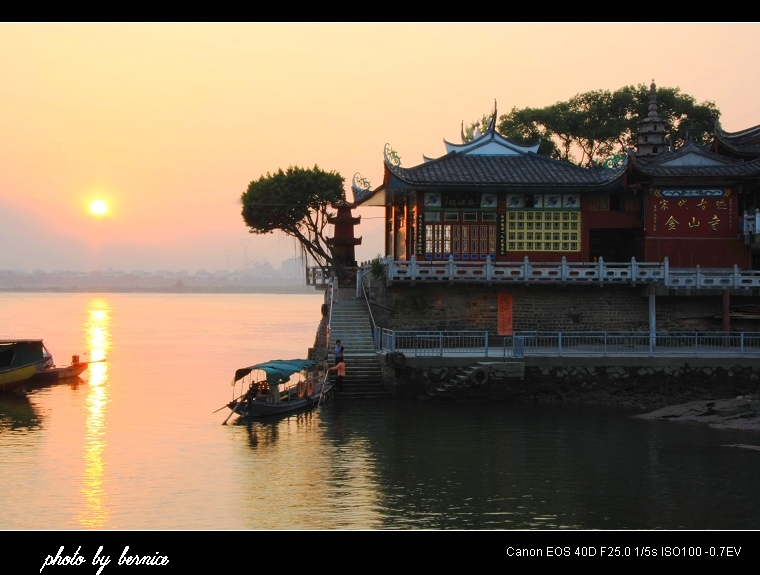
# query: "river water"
[137,444]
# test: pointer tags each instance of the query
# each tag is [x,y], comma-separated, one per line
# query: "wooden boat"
[20,359]
[269,388]
[52,374]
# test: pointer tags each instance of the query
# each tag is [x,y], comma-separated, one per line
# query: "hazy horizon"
[168,123]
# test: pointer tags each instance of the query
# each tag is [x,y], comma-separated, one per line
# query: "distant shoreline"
[170,289]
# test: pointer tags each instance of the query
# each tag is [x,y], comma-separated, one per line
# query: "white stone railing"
[564,272]
[750,223]
[316,276]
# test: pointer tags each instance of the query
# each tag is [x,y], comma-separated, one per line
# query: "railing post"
[440,344]
[699,277]
[526,269]
[393,340]
[559,343]
[741,344]
[666,272]
[651,343]
[451,268]
[563,269]
[600,269]
[736,276]
[634,270]
[487,342]
[518,346]
[388,270]
[413,268]
[489,268]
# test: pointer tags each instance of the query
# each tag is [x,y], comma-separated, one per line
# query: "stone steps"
[350,323]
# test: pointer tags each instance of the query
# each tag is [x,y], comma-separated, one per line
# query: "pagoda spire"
[653,130]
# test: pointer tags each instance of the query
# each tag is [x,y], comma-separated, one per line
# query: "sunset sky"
[168,123]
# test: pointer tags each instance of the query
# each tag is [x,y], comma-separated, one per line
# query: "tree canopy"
[297,202]
[592,126]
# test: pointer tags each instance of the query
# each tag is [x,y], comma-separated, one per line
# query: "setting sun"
[98,207]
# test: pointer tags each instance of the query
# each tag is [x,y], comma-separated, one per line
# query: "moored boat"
[270,388]
[19,361]
[52,374]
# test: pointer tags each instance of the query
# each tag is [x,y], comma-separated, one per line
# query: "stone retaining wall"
[645,387]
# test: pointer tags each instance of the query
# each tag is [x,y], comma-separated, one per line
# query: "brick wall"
[443,306]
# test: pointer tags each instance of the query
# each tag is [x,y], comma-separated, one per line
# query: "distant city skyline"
[290,265]
[290,274]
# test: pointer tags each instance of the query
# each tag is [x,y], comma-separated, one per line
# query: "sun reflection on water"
[98,335]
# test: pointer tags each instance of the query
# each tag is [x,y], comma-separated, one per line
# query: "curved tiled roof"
[693,161]
[733,170]
[523,170]
[751,135]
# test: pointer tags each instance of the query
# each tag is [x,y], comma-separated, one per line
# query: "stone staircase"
[350,322]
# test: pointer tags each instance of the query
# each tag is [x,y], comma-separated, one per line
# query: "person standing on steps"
[338,351]
[340,373]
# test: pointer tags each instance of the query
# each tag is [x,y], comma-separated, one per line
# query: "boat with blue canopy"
[278,386]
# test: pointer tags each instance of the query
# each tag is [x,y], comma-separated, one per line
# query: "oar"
[239,403]
[228,404]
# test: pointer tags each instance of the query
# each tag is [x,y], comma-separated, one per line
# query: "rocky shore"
[720,398]
[742,412]
[722,402]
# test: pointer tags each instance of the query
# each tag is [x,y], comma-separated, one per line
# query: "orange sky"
[168,123]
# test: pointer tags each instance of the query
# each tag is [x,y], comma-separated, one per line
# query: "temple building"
[490,200]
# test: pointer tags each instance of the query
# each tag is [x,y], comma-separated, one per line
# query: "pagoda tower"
[651,139]
[343,241]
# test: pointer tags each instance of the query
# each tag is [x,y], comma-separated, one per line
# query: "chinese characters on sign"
[420,235]
[502,234]
[693,213]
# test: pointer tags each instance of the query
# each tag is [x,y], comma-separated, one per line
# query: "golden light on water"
[97,333]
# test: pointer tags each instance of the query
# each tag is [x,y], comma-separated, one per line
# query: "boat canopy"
[278,370]
[18,352]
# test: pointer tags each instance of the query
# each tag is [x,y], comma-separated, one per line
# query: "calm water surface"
[136,445]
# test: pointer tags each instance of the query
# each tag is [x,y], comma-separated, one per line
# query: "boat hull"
[15,377]
[258,409]
[54,374]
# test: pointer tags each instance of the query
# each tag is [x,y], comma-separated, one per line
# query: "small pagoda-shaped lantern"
[343,241]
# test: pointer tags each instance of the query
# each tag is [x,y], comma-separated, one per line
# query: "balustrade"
[565,272]
[568,343]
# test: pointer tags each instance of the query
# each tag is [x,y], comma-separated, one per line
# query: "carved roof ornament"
[358,182]
[392,159]
[492,124]
[477,133]
[361,188]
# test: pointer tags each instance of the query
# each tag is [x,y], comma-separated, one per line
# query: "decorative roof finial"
[492,123]
[476,131]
